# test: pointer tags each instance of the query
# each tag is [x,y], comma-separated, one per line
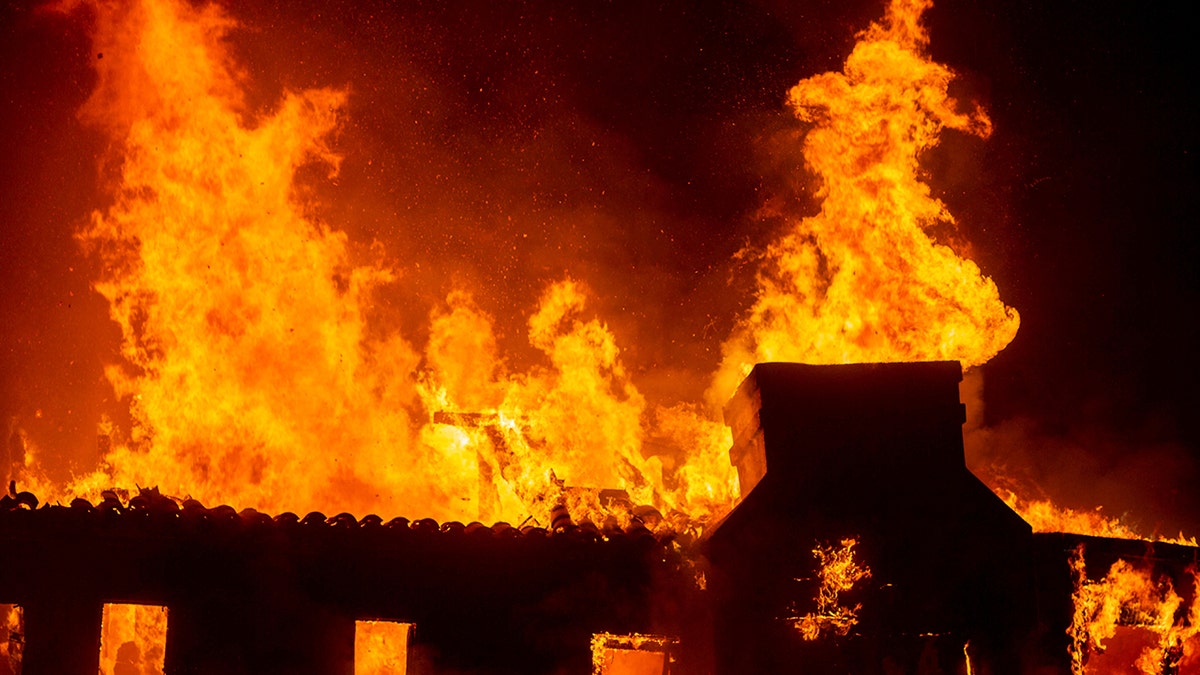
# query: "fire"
[260,369]
[235,307]
[1128,596]
[541,426]
[1045,516]
[257,364]
[864,280]
[838,572]
[381,647]
[133,639]
[12,631]
[631,654]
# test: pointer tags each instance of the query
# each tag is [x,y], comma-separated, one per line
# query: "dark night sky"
[632,143]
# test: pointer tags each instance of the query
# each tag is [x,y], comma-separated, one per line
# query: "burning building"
[267,354]
[947,576]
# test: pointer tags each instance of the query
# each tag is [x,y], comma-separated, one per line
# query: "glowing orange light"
[133,639]
[863,280]
[1128,596]
[838,572]
[381,647]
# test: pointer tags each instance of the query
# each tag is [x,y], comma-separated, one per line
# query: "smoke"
[1143,479]
[497,148]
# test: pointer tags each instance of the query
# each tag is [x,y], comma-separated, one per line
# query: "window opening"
[632,654]
[381,647]
[133,639]
[12,639]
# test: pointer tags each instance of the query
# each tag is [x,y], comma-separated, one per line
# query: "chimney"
[873,452]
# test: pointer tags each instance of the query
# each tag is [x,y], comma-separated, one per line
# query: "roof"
[150,509]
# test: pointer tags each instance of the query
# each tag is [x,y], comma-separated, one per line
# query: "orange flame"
[576,422]
[381,647]
[257,371]
[863,280]
[1045,516]
[12,640]
[839,572]
[631,654]
[133,639]
[260,373]
[1127,596]
[252,375]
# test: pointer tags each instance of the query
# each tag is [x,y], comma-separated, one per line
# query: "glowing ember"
[133,640]
[838,572]
[1127,596]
